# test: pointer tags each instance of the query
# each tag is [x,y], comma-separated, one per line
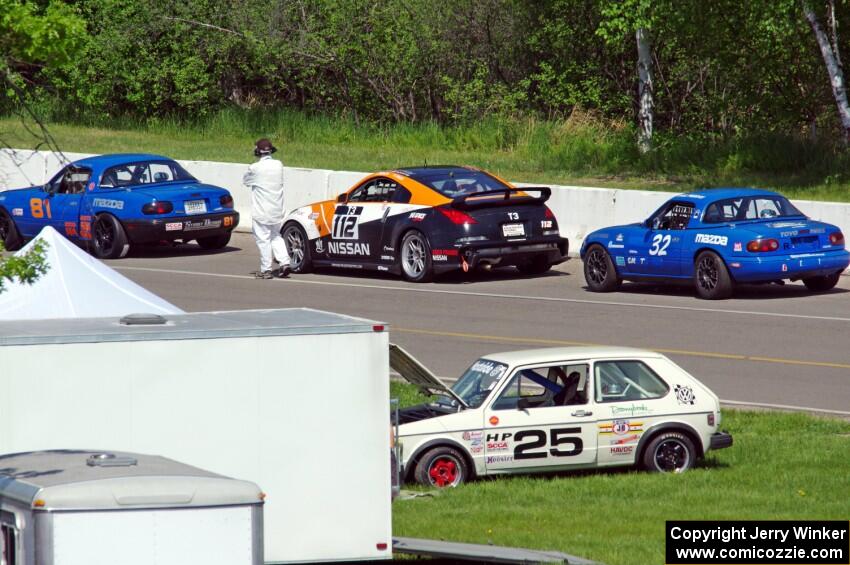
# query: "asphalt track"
[772,346]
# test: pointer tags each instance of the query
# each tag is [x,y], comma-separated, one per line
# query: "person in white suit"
[265,179]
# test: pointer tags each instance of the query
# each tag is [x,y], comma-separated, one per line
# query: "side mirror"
[654,223]
[523,404]
[342,197]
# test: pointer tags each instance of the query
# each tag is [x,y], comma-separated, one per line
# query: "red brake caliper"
[443,472]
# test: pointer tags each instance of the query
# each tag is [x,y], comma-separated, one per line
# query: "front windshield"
[760,207]
[478,381]
[143,172]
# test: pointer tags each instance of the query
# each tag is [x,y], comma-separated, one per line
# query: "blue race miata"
[111,202]
[718,237]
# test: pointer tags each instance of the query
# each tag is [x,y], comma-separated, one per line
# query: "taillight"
[549,215]
[836,238]
[159,207]
[711,419]
[762,245]
[226,201]
[457,217]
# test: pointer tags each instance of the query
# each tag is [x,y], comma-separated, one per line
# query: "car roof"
[713,194]
[549,354]
[119,158]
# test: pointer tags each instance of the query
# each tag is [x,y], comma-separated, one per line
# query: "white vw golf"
[556,409]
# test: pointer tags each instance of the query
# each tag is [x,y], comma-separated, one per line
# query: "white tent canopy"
[76,286]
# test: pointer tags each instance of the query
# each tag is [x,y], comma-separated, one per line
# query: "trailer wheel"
[441,467]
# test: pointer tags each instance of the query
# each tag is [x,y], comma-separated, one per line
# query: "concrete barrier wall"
[579,210]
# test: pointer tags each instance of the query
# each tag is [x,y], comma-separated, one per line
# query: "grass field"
[782,467]
[581,150]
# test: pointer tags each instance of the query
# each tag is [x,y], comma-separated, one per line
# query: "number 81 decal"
[659,244]
[557,437]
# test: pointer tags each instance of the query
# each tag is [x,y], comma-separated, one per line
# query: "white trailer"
[295,400]
[77,507]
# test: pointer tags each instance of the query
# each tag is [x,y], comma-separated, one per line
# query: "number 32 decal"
[557,437]
[659,244]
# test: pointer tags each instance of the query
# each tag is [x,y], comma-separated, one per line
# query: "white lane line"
[298,280]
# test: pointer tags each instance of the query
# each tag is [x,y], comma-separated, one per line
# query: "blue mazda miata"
[717,238]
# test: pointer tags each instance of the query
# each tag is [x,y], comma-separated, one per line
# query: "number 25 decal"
[659,244]
[557,436]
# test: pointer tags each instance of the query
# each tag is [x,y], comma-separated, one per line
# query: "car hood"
[418,375]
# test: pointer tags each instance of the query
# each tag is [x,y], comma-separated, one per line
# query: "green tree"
[32,35]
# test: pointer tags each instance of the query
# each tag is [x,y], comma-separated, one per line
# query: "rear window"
[454,183]
[145,172]
[618,381]
[749,208]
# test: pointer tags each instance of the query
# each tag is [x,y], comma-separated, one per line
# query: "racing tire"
[298,247]
[109,240]
[711,277]
[9,234]
[214,241]
[415,258]
[599,271]
[821,284]
[536,266]
[669,452]
[441,467]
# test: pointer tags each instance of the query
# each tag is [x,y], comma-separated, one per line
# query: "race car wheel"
[298,247]
[669,452]
[109,240]
[441,467]
[820,284]
[711,277]
[416,258]
[537,266]
[214,241]
[9,234]
[599,270]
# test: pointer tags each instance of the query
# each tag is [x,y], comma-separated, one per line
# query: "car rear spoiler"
[510,197]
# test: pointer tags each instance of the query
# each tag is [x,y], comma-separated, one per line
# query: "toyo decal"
[684,394]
